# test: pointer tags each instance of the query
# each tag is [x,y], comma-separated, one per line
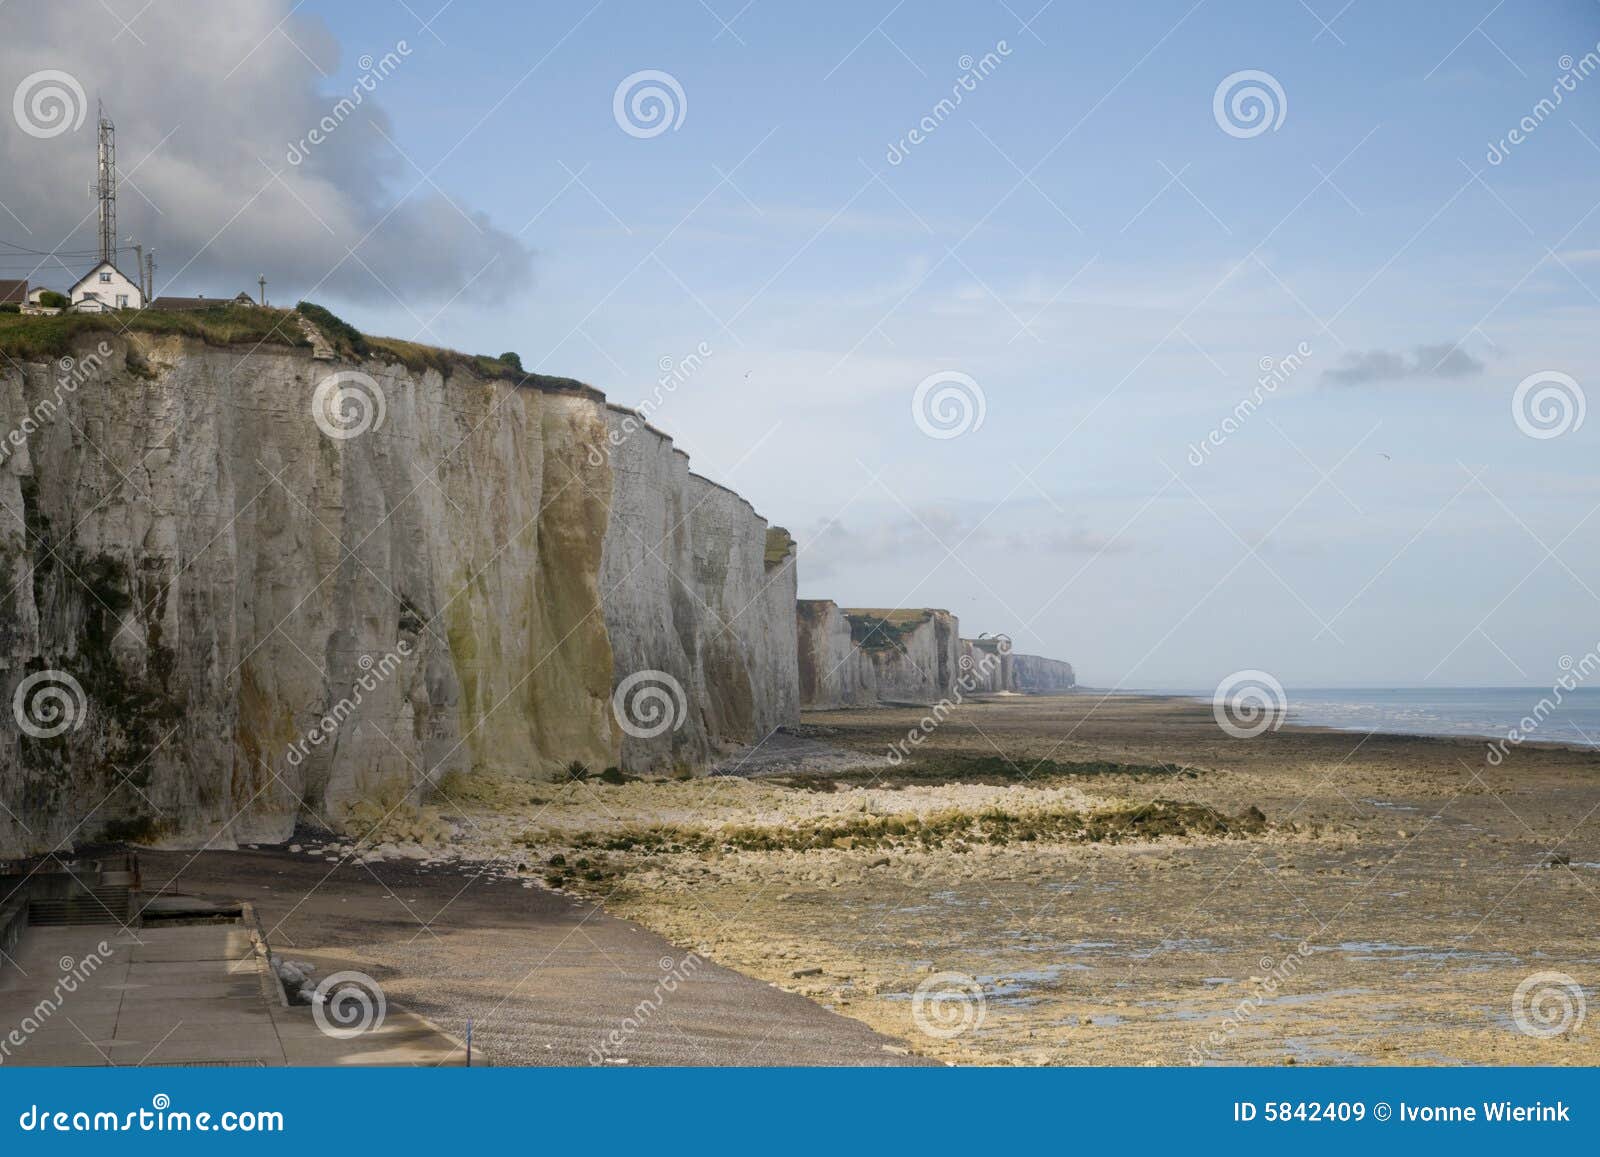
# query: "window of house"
[105,277]
[122,301]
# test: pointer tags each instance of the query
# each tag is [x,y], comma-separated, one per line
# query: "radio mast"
[105,187]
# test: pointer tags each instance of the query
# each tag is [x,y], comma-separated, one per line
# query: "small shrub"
[512,359]
[576,771]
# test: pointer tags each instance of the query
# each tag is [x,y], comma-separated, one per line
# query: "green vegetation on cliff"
[34,336]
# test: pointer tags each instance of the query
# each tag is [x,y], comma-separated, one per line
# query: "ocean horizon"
[1487,712]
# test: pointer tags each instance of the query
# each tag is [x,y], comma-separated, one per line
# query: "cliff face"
[1032,673]
[915,654]
[700,612]
[857,658]
[246,618]
[986,665]
[833,671]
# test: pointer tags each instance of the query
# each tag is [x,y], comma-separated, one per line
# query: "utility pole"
[262,279]
[138,266]
[106,187]
[150,275]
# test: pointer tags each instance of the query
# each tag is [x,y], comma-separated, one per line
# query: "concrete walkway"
[188,995]
[545,979]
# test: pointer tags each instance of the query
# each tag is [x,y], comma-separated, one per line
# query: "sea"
[1490,712]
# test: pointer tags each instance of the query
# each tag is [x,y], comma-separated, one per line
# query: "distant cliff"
[859,658]
[234,595]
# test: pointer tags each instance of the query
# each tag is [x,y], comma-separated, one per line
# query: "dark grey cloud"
[1444,362]
[215,107]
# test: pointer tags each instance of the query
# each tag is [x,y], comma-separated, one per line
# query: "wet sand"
[1387,911]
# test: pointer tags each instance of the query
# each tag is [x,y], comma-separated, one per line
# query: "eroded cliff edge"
[267,621]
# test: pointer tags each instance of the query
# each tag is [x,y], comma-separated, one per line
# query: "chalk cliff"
[834,672]
[243,618]
[1041,676]
[915,654]
[858,658]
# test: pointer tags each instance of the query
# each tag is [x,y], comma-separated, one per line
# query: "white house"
[103,288]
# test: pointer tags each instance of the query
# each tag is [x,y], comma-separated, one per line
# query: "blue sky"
[1083,240]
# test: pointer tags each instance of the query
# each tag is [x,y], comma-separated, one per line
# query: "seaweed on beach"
[995,770]
[951,828]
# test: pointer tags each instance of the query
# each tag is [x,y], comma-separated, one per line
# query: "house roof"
[175,304]
[13,291]
[181,303]
[99,265]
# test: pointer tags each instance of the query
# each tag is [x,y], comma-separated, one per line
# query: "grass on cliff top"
[357,346]
[33,337]
[882,630]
